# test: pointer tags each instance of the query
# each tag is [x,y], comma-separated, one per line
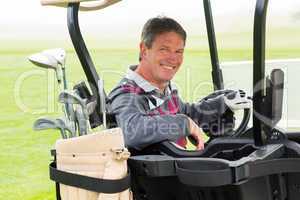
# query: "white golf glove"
[237,100]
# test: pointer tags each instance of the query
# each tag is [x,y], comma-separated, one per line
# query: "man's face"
[164,58]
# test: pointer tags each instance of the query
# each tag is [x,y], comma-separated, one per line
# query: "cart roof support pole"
[84,56]
[259,71]
[216,71]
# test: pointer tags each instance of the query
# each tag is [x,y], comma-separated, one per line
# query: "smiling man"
[161,59]
[146,105]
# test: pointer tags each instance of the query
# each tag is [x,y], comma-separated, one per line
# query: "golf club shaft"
[63,134]
[68,107]
[82,122]
[69,112]
[102,101]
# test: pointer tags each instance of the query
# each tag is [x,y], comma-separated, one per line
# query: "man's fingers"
[200,139]
[197,134]
[200,145]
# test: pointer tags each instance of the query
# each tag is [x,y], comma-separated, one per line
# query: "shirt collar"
[143,83]
[139,80]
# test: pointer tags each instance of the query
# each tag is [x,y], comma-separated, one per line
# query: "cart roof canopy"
[86,5]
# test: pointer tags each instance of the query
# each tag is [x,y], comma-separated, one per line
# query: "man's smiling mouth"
[168,66]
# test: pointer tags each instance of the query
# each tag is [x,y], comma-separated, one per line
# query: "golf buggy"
[260,162]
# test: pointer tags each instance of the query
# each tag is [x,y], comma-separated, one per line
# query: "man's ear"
[142,50]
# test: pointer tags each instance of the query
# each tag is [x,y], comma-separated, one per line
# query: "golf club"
[51,59]
[55,59]
[102,101]
[46,123]
[81,120]
[72,98]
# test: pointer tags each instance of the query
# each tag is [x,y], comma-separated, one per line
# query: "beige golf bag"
[92,167]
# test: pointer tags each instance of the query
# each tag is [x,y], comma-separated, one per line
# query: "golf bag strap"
[89,183]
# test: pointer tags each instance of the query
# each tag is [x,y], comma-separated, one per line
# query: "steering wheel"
[222,130]
[173,149]
[229,133]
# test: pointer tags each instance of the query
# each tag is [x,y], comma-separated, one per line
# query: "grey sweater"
[146,116]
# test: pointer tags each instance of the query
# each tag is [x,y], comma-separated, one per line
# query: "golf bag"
[92,167]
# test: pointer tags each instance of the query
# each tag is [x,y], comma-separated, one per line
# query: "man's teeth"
[168,67]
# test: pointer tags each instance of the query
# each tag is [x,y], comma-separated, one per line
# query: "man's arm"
[204,111]
[140,129]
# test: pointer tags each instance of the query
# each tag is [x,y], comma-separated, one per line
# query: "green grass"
[24,154]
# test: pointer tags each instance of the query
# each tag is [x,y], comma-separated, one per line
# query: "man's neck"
[140,70]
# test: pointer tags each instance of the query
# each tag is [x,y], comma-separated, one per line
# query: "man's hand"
[237,100]
[196,133]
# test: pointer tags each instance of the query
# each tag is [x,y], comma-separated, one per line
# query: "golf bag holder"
[91,167]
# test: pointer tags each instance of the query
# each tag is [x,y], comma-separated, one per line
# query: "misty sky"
[27,18]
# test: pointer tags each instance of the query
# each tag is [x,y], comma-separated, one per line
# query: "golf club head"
[72,98]
[59,54]
[44,123]
[44,61]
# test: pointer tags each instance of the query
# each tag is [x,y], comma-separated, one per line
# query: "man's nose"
[173,57]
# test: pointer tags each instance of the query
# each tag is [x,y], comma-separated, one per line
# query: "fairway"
[28,92]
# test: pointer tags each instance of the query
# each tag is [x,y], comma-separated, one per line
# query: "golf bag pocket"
[92,167]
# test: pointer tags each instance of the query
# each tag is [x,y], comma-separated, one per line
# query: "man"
[146,105]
